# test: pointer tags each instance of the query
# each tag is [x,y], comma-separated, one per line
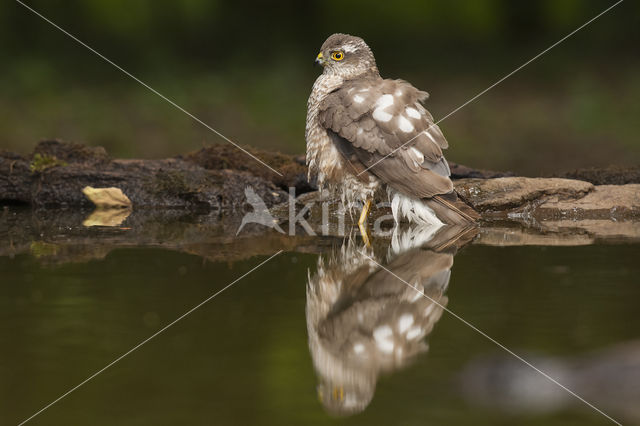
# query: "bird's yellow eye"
[337,56]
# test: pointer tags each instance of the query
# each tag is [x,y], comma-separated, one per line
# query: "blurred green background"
[246,69]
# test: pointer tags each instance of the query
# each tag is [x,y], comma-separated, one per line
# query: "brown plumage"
[365,132]
[364,319]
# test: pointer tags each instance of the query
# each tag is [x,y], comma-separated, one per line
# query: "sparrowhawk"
[366,133]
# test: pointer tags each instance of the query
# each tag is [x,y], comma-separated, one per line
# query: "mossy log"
[214,179]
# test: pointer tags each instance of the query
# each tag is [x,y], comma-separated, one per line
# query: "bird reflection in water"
[362,319]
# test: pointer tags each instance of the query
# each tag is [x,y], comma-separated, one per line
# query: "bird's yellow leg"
[364,233]
[362,221]
[364,213]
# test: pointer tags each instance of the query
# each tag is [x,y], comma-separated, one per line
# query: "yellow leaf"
[106,198]
[107,217]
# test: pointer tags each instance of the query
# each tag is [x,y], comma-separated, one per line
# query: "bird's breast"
[323,157]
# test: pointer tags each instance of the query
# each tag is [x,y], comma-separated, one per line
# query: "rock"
[542,199]
[616,202]
[502,194]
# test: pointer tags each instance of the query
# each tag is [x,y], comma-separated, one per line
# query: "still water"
[319,339]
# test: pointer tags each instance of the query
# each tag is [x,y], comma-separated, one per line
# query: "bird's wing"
[374,119]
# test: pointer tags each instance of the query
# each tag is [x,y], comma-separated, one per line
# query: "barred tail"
[452,211]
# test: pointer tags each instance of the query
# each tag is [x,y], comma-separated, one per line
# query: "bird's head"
[346,56]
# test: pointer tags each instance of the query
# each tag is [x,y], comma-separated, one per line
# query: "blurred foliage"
[247,70]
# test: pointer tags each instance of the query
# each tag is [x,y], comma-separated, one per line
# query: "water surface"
[246,357]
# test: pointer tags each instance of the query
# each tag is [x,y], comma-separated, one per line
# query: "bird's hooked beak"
[320,59]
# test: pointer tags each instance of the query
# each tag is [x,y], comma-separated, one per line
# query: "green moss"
[42,249]
[41,162]
[171,182]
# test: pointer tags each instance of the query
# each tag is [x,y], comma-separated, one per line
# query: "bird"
[365,133]
[364,319]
